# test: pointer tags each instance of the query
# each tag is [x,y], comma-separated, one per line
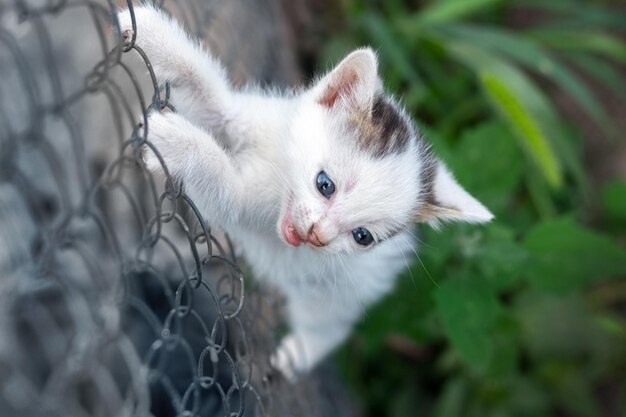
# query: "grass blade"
[602,71]
[508,104]
[447,11]
[520,103]
[587,41]
[535,58]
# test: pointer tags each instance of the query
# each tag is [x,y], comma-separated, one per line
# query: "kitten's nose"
[313,237]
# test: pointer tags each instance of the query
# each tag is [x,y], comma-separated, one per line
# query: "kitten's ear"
[354,82]
[446,200]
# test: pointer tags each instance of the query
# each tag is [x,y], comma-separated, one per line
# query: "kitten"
[319,189]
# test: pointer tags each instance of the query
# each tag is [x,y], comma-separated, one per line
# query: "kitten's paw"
[289,359]
[151,160]
[152,26]
[164,135]
[126,26]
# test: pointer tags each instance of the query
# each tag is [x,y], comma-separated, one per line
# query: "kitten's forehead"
[386,131]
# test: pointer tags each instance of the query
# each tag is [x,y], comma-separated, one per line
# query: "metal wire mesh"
[116,298]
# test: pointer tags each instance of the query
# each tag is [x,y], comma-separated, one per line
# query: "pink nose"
[313,237]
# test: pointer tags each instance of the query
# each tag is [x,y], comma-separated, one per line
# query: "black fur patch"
[386,131]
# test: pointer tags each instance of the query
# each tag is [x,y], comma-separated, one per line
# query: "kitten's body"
[250,161]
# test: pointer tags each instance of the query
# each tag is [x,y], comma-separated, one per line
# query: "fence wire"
[116,297]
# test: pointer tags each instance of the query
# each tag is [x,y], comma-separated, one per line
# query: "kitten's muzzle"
[289,230]
[313,238]
[291,235]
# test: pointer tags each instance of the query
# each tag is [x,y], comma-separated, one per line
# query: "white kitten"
[318,189]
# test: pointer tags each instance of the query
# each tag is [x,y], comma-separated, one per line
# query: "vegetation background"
[526,102]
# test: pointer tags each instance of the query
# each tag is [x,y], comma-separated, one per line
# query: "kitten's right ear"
[448,201]
[353,83]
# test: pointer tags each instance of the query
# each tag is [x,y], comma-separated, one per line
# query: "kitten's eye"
[362,236]
[325,185]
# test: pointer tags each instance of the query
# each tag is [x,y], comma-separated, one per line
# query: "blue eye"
[362,236]
[325,185]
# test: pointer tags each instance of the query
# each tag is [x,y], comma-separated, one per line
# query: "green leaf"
[401,312]
[540,195]
[601,70]
[581,40]
[488,251]
[492,181]
[440,144]
[450,10]
[614,201]
[519,102]
[468,310]
[500,258]
[533,57]
[507,102]
[506,341]
[566,256]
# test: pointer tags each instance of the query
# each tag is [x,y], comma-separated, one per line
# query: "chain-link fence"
[115,296]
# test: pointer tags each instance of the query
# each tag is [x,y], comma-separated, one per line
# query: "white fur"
[249,159]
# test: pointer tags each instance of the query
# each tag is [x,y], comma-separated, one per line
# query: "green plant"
[518,318]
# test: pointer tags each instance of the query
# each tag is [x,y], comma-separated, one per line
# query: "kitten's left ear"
[353,83]
[448,201]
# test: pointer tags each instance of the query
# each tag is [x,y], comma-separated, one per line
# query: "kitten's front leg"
[300,351]
[192,156]
[200,90]
[317,328]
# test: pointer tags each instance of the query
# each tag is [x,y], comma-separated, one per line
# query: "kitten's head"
[358,171]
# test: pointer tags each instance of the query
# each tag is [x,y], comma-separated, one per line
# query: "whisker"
[419,240]
[406,262]
[420,261]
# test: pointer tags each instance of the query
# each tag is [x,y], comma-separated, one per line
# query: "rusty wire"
[116,299]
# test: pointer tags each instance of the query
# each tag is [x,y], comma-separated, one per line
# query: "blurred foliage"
[524,316]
